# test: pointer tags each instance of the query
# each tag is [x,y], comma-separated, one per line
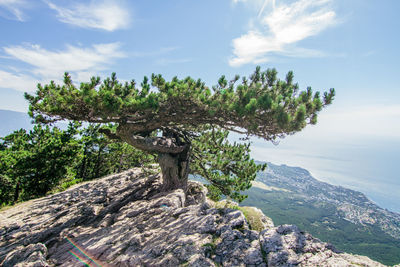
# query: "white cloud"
[16,81]
[279,28]
[15,8]
[73,59]
[48,65]
[106,15]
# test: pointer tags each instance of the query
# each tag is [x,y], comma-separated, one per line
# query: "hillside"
[123,220]
[343,217]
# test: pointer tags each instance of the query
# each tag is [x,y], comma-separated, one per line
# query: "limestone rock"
[124,220]
[33,255]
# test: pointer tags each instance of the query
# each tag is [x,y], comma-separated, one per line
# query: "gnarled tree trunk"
[173,154]
[174,169]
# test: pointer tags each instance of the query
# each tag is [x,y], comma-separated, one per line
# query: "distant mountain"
[343,217]
[13,120]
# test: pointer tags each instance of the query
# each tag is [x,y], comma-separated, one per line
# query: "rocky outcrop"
[124,220]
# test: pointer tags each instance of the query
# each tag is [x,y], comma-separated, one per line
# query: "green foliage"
[262,105]
[70,183]
[50,160]
[187,113]
[101,156]
[35,162]
[227,167]
[6,189]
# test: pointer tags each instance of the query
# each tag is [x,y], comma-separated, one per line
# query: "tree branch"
[150,144]
[109,134]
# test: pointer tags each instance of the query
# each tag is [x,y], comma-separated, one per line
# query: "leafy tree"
[33,163]
[93,144]
[184,121]
[6,189]
[227,167]
[123,156]
[101,156]
[44,159]
[13,152]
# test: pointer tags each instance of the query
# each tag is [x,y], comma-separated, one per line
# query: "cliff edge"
[124,220]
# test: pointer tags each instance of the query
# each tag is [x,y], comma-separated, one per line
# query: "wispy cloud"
[106,15]
[17,81]
[277,28]
[48,65]
[14,7]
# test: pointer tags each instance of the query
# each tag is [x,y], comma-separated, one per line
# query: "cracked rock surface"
[124,220]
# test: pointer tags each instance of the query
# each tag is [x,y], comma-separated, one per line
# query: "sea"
[370,165]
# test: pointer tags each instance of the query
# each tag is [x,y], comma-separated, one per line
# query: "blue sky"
[351,46]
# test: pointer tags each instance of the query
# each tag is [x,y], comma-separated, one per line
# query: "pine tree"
[32,163]
[101,156]
[184,122]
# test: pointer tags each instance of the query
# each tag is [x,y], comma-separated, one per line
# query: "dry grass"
[253,217]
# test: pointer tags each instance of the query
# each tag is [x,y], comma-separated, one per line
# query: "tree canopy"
[32,162]
[48,159]
[184,121]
